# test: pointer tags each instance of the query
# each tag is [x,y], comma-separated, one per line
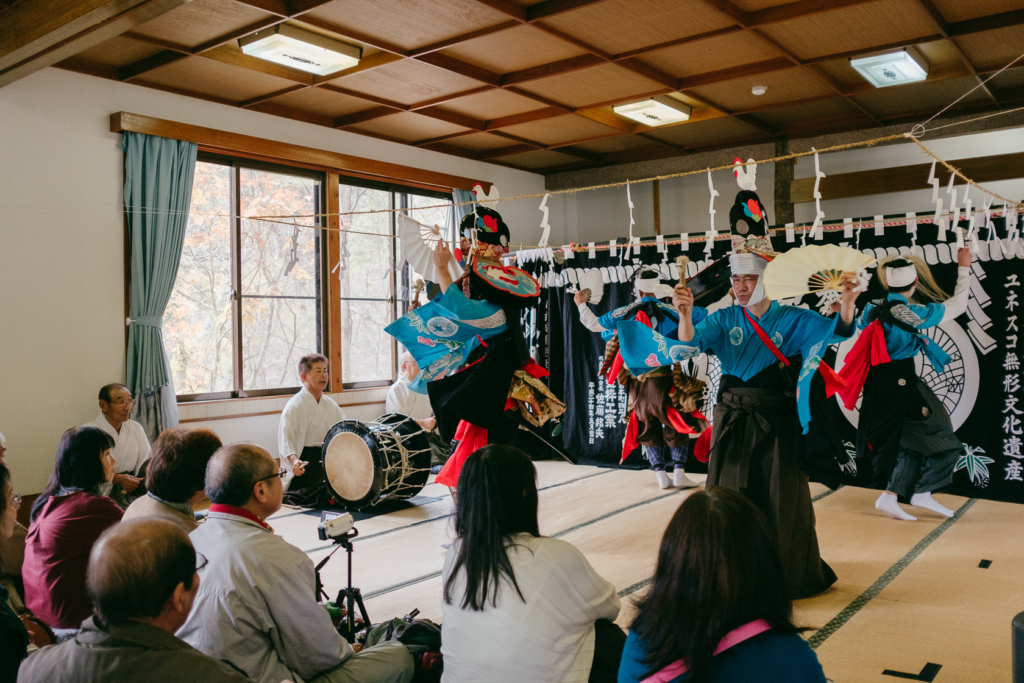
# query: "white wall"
[866,159]
[62,244]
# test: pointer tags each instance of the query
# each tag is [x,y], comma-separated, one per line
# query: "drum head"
[349,464]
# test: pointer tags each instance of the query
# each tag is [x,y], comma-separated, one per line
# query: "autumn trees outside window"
[248,300]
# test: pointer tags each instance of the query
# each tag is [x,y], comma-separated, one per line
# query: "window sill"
[233,408]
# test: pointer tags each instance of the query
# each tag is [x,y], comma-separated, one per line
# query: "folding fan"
[418,243]
[814,268]
[592,283]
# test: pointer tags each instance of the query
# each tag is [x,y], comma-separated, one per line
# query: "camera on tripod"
[334,525]
[339,527]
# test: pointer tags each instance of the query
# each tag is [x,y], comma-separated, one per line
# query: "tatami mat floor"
[911,596]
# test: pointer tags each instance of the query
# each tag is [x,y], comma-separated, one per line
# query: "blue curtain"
[461,211]
[157,193]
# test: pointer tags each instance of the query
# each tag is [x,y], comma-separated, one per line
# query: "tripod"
[351,597]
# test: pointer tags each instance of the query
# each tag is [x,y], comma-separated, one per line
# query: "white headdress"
[900,277]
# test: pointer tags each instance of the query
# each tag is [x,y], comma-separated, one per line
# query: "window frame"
[399,280]
[236,164]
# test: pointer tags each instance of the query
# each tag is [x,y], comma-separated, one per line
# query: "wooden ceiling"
[531,84]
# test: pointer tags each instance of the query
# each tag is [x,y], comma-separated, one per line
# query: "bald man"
[405,399]
[142,581]
[256,606]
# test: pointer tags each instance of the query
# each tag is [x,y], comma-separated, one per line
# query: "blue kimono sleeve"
[644,349]
[813,335]
[931,314]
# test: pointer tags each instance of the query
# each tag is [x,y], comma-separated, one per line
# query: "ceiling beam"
[796,10]
[754,69]
[363,116]
[449,116]
[270,96]
[562,66]
[391,104]
[507,7]
[35,35]
[551,8]
[524,117]
[505,151]
[453,96]
[678,41]
[462,68]
[352,34]
[276,7]
[374,61]
[442,138]
[991,22]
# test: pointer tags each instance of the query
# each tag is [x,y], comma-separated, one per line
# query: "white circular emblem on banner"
[442,327]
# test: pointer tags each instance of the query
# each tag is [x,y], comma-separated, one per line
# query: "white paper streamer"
[938,204]
[711,208]
[591,251]
[791,233]
[879,226]
[544,222]
[848,227]
[817,232]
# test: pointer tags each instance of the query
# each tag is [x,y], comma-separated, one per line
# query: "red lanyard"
[764,337]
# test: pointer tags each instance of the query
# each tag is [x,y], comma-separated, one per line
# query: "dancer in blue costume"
[904,435]
[755,421]
[651,390]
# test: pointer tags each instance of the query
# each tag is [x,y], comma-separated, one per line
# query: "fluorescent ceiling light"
[301,49]
[894,68]
[656,111]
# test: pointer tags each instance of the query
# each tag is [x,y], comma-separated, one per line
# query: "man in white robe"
[305,421]
[403,399]
[131,445]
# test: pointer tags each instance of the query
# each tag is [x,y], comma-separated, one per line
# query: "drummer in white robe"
[305,421]
[131,445]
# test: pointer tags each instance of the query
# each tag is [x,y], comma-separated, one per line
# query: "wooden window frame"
[335,166]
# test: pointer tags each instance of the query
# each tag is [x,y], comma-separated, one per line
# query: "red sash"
[764,338]
[833,381]
[869,351]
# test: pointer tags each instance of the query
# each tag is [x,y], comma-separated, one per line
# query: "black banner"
[980,387]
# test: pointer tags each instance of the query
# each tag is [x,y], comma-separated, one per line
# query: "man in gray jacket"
[142,580]
[255,606]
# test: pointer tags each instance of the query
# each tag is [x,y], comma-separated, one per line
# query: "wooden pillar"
[783,177]
[657,207]
[332,291]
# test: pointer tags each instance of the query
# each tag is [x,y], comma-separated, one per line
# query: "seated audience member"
[719,578]
[255,607]
[176,476]
[142,582]
[14,638]
[67,518]
[518,606]
[305,421]
[403,399]
[131,445]
[12,547]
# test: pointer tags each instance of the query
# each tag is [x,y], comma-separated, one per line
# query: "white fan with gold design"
[418,243]
[815,268]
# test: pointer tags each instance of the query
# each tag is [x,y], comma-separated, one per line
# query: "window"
[372,293]
[247,301]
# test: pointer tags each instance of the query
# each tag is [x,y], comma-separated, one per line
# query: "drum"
[367,462]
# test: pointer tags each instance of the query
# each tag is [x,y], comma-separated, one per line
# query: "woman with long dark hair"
[66,519]
[518,606]
[718,609]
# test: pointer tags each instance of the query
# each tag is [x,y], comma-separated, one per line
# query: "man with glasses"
[142,580]
[256,607]
[131,445]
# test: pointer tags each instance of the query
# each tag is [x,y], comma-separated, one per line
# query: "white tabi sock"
[889,505]
[681,481]
[925,500]
[663,479]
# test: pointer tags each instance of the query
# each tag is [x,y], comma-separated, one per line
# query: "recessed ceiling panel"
[479,142]
[922,99]
[540,159]
[713,54]
[407,82]
[783,86]
[409,23]
[216,79]
[119,52]
[201,21]
[592,86]
[852,28]
[523,47]
[407,126]
[705,132]
[618,26]
[324,102]
[493,105]
[958,10]
[559,129]
[833,107]
[992,50]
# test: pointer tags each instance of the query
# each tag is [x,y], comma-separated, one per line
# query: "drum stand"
[349,597]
